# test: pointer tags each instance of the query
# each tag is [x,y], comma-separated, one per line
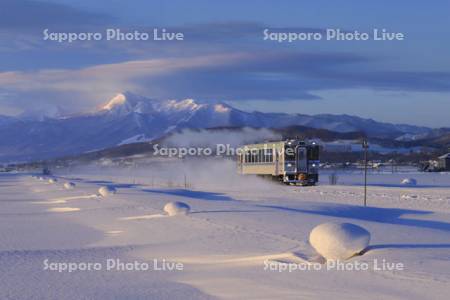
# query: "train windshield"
[313,152]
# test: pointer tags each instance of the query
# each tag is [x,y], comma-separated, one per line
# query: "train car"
[291,161]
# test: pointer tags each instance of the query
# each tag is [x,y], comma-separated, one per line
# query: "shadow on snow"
[373,214]
[191,194]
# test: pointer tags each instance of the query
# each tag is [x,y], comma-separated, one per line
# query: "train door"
[302,160]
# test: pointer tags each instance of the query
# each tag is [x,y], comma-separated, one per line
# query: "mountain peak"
[117,100]
[222,108]
[124,103]
[128,102]
[186,104]
[124,99]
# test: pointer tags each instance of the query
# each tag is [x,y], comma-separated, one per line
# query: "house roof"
[445,156]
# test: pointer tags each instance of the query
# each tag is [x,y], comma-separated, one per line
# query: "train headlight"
[289,165]
[314,165]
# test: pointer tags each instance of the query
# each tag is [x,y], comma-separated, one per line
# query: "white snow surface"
[240,226]
[339,241]
[177,208]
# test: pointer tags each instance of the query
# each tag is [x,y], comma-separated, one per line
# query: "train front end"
[301,163]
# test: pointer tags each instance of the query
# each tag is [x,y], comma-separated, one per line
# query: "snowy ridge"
[128,117]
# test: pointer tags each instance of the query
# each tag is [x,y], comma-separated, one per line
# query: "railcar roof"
[265,143]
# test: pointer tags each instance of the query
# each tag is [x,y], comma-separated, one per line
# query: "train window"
[268,155]
[301,153]
[313,152]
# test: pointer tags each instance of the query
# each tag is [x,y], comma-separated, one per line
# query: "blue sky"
[224,58]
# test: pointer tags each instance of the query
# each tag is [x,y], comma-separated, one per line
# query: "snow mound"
[409,181]
[105,191]
[406,196]
[69,185]
[339,240]
[52,180]
[177,208]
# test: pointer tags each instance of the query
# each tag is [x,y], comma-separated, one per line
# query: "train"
[292,161]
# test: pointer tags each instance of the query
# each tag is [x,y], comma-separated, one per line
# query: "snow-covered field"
[238,241]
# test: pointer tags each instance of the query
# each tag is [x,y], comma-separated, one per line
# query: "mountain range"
[129,118]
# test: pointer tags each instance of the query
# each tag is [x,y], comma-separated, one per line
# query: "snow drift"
[106,191]
[339,240]
[409,181]
[177,208]
[52,180]
[69,185]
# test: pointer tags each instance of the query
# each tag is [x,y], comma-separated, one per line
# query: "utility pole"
[365,145]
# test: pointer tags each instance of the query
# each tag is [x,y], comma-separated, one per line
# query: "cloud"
[237,76]
[23,21]
[103,77]
[220,76]
[29,15]
[75,90]
[401,80]
[212,138]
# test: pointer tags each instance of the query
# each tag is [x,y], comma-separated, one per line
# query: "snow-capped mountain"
[129,118]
